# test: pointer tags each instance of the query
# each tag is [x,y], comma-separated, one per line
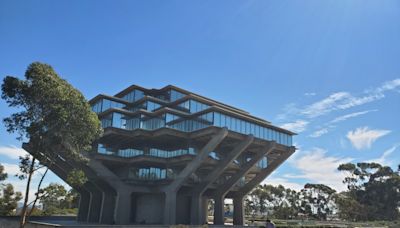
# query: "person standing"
[269,224]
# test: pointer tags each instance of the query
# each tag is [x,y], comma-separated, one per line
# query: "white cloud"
[319,133]
[362,138]
[351,115]
[10,169]
[325,105]
[12,152]
[296,126]
[340,101]
[317,167]
[282,181]
[383,159]
[309,94]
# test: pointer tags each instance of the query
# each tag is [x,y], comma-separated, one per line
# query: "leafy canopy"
[52,112]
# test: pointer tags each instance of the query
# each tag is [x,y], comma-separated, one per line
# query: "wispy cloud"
[310,94]
[351,115]
[363,137]
[296,126]
[317,167]
[383,159]
[332,124]
[340,101]
[319,133]
[12,152]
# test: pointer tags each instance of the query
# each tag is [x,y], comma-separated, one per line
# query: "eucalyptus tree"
[52,115]
[8,197]
[374,191]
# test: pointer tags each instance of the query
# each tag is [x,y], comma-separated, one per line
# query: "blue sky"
[328,70]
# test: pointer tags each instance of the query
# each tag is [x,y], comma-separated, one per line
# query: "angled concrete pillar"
[219,210]
[238,211]
[122,213]
[223,190]
[265,172]
[211,177]
[172,189]
[196,162]
[170,208]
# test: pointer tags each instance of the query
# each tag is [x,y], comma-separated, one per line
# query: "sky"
[327,70]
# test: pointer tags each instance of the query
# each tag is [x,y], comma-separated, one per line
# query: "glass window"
[175,95]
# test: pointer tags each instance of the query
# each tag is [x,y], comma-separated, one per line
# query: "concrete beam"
[246,167]
[196,162]
[172,189]
[264,173]
[221,192]
[196,205]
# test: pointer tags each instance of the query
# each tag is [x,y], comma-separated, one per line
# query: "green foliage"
[374,192]
[9,200]
[317,200]
[56,200]
[8,197]
[53,115]
[52,112]
[76,178]
[3,175]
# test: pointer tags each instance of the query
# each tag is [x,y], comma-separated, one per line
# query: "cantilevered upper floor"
[172,107]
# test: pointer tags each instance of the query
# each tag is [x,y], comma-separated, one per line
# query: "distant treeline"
[373,193]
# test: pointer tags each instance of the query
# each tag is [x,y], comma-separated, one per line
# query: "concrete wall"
[149,208]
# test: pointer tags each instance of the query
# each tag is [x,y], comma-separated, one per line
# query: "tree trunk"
[37,193]
[24,207]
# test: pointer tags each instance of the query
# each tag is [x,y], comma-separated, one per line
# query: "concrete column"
[122,213]
[204,210]
[238,211]
[96,197]
[170,208]
[195,208]
[219,210]
[107,208]
[84,201]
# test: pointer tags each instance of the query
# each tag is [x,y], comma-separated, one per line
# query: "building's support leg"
[170,208]
[246,167]
[204,211]
[96,197]
[195,210]
[265,172]
[107,208]
[83,210]
[238,213]
[219,210]
[123,206]
[122,213]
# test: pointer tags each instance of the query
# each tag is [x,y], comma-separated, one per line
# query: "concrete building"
[166,152]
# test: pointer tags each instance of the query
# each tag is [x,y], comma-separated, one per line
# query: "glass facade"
[175,95]
[181,122]
[192,106]
[150,173]
[104,104]
[153,152]
[169,120]
[134,95]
